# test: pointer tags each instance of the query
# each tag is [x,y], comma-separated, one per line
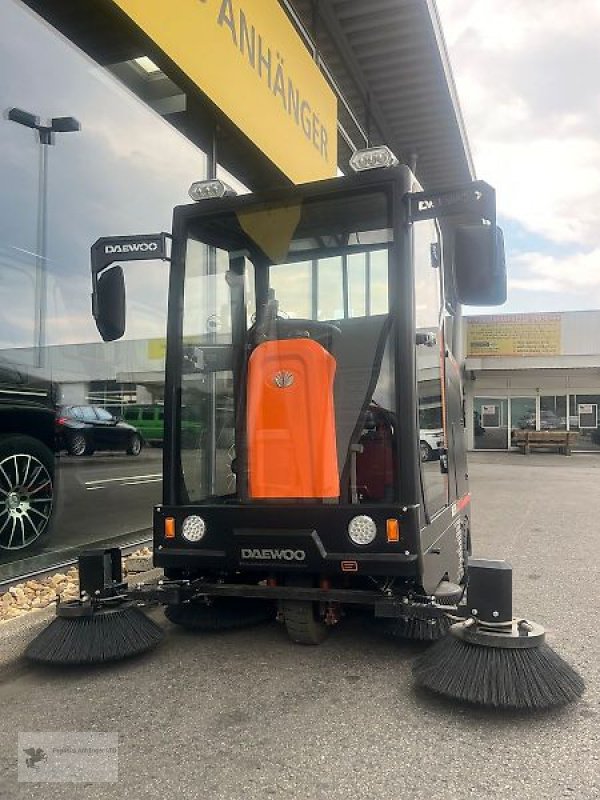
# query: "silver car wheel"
[26,493]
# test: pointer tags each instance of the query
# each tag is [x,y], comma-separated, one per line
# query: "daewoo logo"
[268,554]
[135,247]
[283,379]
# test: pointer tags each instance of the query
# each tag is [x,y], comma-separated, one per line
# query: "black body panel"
[319,532]
[26,405]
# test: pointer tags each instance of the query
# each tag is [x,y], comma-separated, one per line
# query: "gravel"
[36,595]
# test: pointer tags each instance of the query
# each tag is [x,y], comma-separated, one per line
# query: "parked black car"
[83,429]
[26,457]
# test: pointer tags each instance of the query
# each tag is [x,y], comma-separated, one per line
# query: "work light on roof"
[373,158]
[203,190]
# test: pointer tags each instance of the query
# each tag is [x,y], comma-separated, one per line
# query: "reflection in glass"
[553,413]
[428,308]
[121,174]
[522,415]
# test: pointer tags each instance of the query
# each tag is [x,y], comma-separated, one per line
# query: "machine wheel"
[302,620]
[223,613]
[78,445]
[426,451]
[134,448]
[26,491]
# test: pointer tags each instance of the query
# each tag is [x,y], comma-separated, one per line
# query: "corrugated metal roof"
[389,60]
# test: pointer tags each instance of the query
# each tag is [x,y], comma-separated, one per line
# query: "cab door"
[430,353]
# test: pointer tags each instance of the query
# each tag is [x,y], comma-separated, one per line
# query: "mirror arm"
[108,249]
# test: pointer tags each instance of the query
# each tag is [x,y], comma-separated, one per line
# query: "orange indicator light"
[169,527]
[393,530]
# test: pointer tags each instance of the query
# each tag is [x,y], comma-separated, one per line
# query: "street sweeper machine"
[313,341]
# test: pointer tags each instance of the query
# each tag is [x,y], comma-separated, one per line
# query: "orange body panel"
[291,421]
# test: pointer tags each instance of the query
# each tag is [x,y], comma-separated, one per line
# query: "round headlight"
[362,530]
[193,528]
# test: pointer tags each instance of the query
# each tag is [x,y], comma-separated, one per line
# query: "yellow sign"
[247,57]
[157,349]
[514,335]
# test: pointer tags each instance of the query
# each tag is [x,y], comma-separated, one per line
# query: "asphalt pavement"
[247,715]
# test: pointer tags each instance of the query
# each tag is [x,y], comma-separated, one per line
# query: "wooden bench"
[562,441]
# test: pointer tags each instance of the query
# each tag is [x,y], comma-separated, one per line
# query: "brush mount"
[490,620]
[101,584]
[517,634]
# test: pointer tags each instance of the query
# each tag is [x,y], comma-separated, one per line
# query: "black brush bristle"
[107,635]
[528,678]
[224,613]
[417,628]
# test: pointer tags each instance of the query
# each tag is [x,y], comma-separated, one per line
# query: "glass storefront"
[583,417]
[522,415]
[553,412]
[96,407]
[497,419]
[490,423]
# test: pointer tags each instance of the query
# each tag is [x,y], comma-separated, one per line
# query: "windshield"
[287,385]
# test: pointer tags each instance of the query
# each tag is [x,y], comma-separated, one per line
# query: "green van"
[149,420]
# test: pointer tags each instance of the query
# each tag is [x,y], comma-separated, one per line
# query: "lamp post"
[46,138]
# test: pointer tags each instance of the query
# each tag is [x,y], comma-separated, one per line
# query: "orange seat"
[291,421]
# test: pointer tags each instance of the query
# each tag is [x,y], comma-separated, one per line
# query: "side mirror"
[108,284]
[108,303]
[479,265]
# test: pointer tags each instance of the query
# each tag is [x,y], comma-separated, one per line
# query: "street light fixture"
[23,117]
[46,138]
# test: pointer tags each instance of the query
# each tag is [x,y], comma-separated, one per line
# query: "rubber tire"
[130,449]
[425,451]
[87,450]
[225,613]
[29,445]
[301,617]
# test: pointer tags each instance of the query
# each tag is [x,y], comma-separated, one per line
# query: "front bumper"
[293,538]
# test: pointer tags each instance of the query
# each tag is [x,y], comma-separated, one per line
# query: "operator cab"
[312,343]
[289,302]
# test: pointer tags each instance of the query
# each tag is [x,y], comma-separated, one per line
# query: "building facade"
[532,371]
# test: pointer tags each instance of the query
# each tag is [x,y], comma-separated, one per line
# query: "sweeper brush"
[481,672]
[429,629]
[103,625]
[222,613]
[491,659]
[104,634]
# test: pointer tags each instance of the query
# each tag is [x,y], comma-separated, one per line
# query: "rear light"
[392,527]
[62,421]
[169,527]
